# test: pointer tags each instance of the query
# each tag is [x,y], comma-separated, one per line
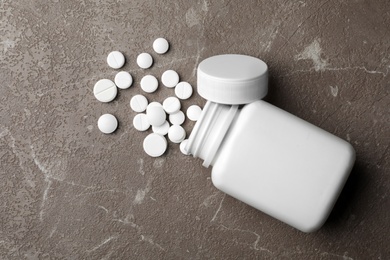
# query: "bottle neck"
[210,130]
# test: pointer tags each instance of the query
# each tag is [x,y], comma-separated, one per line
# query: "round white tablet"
[140,122]
[107,123]
[115,59]
[171,105]
[149,83]
[105,90]
[156,115]
[183,147]
[177,118]
[123,80]
[155,145]
[160,45]
[170,78]
[144,60]
[162,129]
[193,112]
[176,134]
[183,90]
[138,103]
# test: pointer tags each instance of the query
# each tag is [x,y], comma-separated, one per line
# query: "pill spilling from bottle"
[165,119]
[251,144]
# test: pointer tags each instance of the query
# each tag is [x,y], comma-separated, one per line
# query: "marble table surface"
[70,192]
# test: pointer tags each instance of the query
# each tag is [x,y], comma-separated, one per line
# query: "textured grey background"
[69,192]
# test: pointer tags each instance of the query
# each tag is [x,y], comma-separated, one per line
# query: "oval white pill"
[156,115]
[176,134]
[177,118]
[155,145]
[183,90]
[160,45]
[193,112]
[170,78]
[162,129]
[171,105]
[144,60]
[140,122]
[138,103]
[149,83]
[123,80]
[115,59]
[107,123]
[183,145]
[105,90]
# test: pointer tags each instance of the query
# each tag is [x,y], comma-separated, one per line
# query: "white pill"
[177,118]
[176,134]
[160,45]
[115,60]
[156,115]
[162,129]
[144,60]
[183,90]
[123,80]
[107,123]
[138,103]
[171,105]
[149,83]
[170,78]
[140,122]
[183,145]
[105,90]
[155,145]
[193,112]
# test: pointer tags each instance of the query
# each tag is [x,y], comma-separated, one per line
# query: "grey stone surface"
[68,191]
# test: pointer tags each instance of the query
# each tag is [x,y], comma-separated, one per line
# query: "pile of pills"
[164,119]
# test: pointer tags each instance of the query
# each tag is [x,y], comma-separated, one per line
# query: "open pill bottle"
[262,155]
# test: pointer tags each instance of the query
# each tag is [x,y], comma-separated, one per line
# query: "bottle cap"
[232,79]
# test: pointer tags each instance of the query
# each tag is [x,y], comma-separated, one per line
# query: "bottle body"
[279,164]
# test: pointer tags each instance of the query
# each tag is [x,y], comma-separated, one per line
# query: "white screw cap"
[232,79]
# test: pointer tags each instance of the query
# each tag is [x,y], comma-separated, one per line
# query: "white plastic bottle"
[262,155]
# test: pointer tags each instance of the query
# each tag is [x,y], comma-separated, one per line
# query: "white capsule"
[149,83]
[183,90]
[123,80]
[177,118]
[156,115]
[170,78]
[107,123]
[144,60]
[138,103]
[176,134]
[162,129]
[171,105]
[140,122]
[115,60]
[160,45]
[155,145]
[193,112]
[105,90]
